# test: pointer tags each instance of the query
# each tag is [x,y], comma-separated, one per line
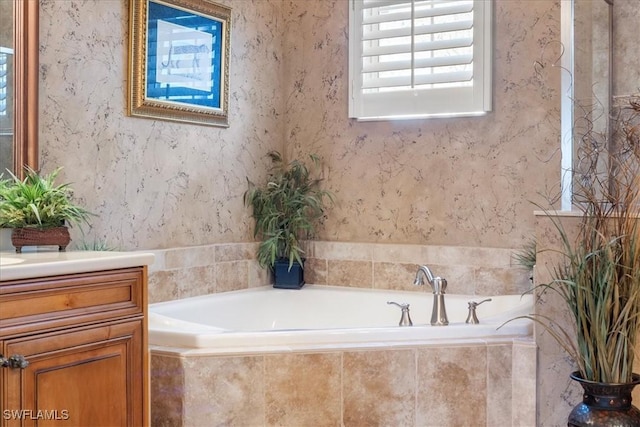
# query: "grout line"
[264,390]
[373,274]
[342,388]
[487,369]
[415,389]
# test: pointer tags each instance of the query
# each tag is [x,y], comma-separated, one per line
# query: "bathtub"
[320,317]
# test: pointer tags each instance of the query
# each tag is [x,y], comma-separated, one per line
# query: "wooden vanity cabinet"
[84,338]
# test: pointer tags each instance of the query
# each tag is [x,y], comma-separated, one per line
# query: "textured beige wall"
[157,184]
[626,53]
[463,181]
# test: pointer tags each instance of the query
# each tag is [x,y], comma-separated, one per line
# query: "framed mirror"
[19,73]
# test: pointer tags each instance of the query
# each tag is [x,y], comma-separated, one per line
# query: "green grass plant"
[37,201]
[95,245]
[526,256]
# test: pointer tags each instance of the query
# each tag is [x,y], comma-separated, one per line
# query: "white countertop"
[52,263]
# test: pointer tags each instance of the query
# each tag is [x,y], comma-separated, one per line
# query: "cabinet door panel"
[93,378]
[84,390]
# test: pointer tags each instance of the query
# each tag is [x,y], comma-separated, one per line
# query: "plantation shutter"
[419,58]
[5,61]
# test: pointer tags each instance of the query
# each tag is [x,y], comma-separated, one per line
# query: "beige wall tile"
[236,251]
[499,390]
[454,378]
[342,251]
[224,391]
[350,273]
[303,390]
[193,256]
[502,281]
[166,391]
[258,276]
[379,388]
[315,271]
[407,254]
[460,278]
[232,276]
[181,283]
[163,286]
[468,256]
[387,275]
[196,281]
[524,385]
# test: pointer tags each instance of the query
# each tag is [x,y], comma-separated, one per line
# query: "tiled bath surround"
[469,382]
[472,384]
[185,272]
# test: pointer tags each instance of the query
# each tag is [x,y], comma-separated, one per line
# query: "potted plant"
[37,210]
[286,209]
[526,256]
[597,275]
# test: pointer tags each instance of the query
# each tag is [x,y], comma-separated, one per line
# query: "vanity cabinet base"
[90,373]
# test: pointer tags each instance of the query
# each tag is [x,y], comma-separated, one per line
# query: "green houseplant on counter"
[37,210]
[597,274]
[286,209]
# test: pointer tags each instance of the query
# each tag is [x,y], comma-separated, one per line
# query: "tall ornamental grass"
[598,274]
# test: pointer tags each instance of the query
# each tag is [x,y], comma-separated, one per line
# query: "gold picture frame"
[179,61]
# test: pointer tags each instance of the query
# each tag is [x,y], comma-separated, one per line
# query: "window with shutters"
[5,56]
[419,58]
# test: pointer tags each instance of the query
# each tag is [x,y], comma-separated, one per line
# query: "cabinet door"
[89,376]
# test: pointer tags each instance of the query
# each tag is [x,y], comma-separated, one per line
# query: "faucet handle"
[403,306]
[405,318]
[472,317]
[475,304]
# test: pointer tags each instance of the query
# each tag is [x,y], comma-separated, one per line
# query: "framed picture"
[179,61]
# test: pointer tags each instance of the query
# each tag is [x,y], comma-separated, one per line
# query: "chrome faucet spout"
[438,286]
[423,270]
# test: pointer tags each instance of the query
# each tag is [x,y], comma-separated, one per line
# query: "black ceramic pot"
[605,405]
[286,278]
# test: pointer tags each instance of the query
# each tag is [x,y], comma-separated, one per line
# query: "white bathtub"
[325,317]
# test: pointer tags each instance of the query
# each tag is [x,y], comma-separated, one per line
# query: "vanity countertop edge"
[28,265]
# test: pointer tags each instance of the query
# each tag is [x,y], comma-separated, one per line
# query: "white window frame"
[472,100]
[4,75]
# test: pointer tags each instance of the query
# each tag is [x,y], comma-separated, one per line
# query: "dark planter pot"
[605,405]
[285,278]
[28,236]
